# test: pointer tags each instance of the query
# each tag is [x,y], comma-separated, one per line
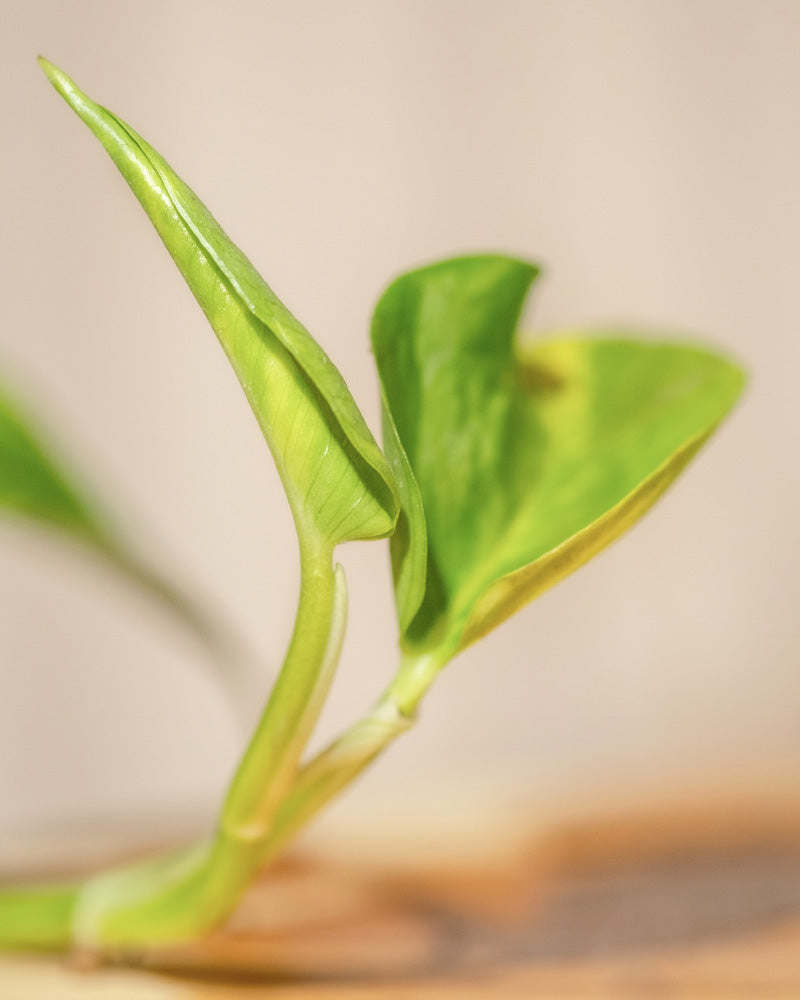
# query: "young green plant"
[505,467]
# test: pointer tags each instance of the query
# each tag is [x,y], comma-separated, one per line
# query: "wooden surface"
[704,905]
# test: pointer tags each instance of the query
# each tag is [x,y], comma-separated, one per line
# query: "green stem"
[343,760]
[269,765]
[37,918]
[177,898]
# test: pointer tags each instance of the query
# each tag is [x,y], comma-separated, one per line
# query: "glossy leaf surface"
[527,461]
[337,480]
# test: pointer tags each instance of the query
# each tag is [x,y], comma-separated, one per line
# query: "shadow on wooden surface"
[703,905]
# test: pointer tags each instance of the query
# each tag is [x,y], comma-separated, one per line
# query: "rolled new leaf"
[337,480]
[526,461]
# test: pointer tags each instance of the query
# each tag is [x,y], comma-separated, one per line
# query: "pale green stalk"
[37,918]
[173,900]
[176,898]
[270,762]
[345,758]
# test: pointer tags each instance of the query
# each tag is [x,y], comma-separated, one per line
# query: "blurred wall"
[646,151]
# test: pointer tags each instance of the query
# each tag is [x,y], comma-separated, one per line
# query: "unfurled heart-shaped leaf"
[337,480]
[526,461]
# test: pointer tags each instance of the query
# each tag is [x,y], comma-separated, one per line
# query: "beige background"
[647,152]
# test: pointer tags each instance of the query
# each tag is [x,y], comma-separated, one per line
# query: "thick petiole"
[38,918]
[342,761]
[271,760]
[177,898]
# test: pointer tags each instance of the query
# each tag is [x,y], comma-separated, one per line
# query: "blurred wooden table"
[704,905]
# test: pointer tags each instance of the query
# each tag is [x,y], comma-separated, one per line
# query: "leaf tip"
[53,73]
[64,85]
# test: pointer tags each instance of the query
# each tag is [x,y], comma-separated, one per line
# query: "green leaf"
[337,480]
[37,485]
[32,483]
[409,543]
[527,461]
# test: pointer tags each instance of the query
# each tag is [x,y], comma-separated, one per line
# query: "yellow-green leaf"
[527,461]
[337,480]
